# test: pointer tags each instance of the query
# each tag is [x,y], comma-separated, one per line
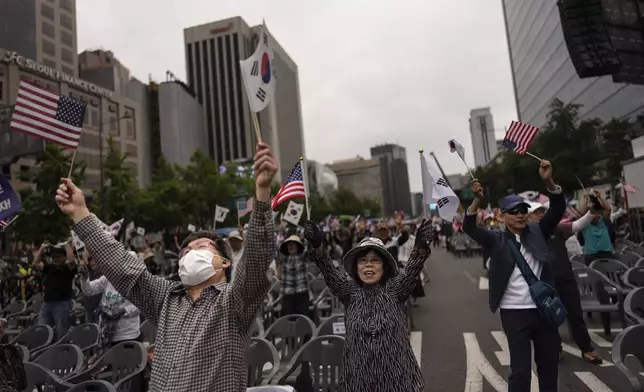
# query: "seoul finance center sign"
[31,65]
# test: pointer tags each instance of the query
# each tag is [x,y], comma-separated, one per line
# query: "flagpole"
[71,165]
[258,132]
[534,156]
[306,187]
[425,202]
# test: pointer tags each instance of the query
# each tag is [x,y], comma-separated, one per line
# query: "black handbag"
[544,296]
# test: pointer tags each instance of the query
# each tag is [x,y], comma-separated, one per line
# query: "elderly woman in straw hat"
[295,289]
[378,355]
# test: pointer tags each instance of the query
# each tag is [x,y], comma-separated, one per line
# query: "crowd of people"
[204,300]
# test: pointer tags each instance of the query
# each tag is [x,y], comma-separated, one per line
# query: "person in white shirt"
[118,319]
[236,242]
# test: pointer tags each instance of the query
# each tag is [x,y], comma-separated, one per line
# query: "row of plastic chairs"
[630,342]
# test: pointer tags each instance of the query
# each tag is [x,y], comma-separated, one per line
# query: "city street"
[462,345]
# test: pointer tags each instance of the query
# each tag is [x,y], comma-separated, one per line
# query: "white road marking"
[478,367]
[576,352]
[469,276]
[484,283]
[416,340]
[592,382]
[598,340]
[504,356]
[598,330]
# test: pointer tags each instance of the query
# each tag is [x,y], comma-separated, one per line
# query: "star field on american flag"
[48,115]
[292,188]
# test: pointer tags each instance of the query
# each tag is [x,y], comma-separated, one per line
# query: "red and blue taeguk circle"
[266,68]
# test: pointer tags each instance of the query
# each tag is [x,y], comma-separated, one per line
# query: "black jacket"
[534,238]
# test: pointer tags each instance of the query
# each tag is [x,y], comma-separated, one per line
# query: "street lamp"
[100,147]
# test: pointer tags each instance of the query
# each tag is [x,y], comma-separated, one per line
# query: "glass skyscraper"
[542,69]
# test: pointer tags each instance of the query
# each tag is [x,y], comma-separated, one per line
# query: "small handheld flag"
[458,148]
[519,136]
[292,188]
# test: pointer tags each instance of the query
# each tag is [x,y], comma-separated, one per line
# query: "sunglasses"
[517,211]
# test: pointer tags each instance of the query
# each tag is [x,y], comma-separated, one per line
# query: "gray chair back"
[591,285]
[613,269]
[64,360]
[24,352]
[35,337]
[317,286]
[41,379]
[93,386]
[258,354]
[289,333]
[257,328]
[629,342]
[313,269]
[84,336]
[635,276]
[324,356]
[628,258]
[634,306]
[148,332]
[327,326]
[14,307]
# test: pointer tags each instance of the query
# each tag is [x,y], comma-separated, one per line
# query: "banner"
[9,200]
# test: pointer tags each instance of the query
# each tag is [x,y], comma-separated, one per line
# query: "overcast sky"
[371,71]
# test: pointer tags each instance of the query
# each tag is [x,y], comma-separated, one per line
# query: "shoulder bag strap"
[523,266]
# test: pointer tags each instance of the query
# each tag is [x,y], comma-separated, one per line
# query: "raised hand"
[71,201]
[313,234]
[477,188]
[264,167]
[545,170]
[424,235]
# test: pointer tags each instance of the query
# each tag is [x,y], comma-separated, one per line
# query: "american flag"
[519,136]
[4,223]
[48,115]
[293,187]
[244,207]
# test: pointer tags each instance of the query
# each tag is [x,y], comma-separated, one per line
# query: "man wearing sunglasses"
[202,323]
[521,320]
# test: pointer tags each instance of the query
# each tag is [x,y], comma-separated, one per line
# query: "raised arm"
[403,284]
[94,287]
[340,284]
[570,228]
[486,238]
[251,283]
[126,273]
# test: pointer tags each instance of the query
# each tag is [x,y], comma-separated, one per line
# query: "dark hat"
[369,243]
[512,201]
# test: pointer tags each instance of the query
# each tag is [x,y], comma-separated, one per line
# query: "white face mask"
[196,267]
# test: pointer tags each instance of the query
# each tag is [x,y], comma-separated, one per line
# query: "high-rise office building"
[395,178]
[542,69]
[213,52]
[363,177]
[41,30]
[482,133]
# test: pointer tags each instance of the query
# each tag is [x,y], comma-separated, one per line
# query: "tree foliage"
[40,218]
[588,151]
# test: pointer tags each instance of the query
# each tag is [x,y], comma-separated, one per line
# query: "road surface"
[461,346]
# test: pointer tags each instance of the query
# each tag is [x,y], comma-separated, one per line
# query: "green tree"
[616,137]
[121,191]
[205,188]
[40,218]
[161,205]
[370,208]
[345,202]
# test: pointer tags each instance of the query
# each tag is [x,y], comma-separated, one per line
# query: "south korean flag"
[258,72]
[436,189]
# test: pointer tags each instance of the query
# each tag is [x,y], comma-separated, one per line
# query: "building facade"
[42,30]
[362,176]
[108,115]
[213,52]
[482,132]
[542,69]
[417,204]
[321,179]
[181,121]
[395,178]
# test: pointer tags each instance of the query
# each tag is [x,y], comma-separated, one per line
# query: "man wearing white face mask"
[202,323]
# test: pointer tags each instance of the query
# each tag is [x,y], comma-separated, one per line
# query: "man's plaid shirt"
[200,345]
[294,274]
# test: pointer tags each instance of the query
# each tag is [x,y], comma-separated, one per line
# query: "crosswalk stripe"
[598,340]
[484,283]
[576,352]
[478,367]
[592,382]
[504,356]
[416,340]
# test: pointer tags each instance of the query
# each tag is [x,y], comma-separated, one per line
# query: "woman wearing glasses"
[378,355]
